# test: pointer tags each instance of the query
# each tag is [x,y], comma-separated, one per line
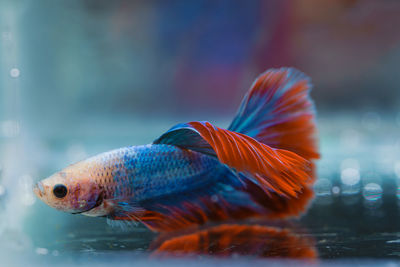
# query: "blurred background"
[82,77]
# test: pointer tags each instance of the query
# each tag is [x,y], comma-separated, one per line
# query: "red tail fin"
[271,142]
[278,111]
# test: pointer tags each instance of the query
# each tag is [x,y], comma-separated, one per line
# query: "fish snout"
[38,189]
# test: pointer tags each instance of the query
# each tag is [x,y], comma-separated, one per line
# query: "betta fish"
[260,166]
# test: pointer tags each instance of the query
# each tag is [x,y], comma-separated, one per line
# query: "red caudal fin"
[270,144]
[278,111]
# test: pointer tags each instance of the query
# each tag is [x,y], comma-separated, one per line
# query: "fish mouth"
[38,189]
[99,201]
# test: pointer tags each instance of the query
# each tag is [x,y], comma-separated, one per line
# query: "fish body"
[140,174]
[262,165]
[152,171]
[157,170]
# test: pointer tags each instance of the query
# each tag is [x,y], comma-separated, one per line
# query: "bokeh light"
[336,190]
[15,73]
[372,192]
[350,176]
[42,251]
[55,253]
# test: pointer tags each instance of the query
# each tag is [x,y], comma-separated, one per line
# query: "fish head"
[71,190]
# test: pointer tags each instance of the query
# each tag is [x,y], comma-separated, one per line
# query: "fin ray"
[273,169]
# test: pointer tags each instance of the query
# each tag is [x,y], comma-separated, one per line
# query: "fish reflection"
[227,240]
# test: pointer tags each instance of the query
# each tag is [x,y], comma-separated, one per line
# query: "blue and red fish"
[262,165]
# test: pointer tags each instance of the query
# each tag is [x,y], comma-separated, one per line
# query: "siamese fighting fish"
[262,165]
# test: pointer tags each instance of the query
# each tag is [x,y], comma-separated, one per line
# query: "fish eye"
[60,190]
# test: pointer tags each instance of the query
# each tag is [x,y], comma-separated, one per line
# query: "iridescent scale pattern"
[151,171]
